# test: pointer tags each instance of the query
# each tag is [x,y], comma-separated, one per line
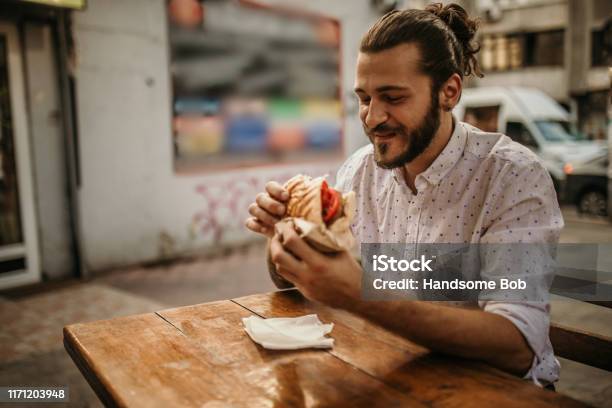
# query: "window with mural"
[252,85]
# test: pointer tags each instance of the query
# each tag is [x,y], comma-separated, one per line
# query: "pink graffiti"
[226,202]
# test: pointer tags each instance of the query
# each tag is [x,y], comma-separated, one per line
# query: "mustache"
[383,128]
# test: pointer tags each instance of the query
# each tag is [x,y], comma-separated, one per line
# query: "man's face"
[399,112]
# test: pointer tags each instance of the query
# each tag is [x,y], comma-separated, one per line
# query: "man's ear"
[450,92]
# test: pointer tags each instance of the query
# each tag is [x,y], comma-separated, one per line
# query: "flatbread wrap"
[320,214]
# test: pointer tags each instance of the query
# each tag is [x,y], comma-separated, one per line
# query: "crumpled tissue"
[289,333]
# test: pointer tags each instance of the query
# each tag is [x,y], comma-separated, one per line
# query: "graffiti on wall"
[226,201]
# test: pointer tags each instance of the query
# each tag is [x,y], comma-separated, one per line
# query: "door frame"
[23,163]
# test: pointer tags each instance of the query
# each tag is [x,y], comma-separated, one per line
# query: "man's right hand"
[267,209]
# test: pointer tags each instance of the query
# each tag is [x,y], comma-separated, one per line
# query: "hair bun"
[464,28]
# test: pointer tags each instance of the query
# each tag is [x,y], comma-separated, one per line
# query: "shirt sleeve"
[351,168]
[350,171]
[343,179]
[524,224]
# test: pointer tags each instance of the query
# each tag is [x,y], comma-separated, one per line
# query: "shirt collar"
[446,160]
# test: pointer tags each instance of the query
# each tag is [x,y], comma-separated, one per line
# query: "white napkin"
[289,333]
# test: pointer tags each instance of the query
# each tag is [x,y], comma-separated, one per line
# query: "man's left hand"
[333,279]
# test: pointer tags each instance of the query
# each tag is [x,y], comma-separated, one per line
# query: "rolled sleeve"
[527,218]
[533,321]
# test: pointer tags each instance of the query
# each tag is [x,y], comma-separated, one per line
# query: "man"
[426,178]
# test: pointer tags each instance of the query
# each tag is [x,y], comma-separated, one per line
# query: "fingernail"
[285,195]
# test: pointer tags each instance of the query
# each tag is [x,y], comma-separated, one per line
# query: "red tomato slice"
[334,206]
[330,202]
[324,190]
[325,197]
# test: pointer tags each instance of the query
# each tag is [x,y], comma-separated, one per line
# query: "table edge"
[86,369]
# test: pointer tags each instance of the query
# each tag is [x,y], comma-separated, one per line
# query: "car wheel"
[594,203]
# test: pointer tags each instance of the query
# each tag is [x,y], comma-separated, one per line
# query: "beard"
[416,141]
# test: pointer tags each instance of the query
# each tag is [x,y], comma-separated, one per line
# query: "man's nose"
[375,115]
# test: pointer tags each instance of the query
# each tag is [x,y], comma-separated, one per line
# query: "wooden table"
[200,356]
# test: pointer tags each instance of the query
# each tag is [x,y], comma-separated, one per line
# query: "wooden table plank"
[143,361]
[201,356]
[435,380]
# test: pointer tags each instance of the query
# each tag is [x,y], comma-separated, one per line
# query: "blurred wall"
[133,206]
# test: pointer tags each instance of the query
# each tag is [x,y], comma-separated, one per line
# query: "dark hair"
[444,35]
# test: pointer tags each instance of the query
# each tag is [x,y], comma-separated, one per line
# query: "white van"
[530,117]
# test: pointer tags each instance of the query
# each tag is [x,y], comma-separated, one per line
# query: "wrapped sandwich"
[320,214]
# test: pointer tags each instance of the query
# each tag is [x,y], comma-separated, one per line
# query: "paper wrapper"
[333,238]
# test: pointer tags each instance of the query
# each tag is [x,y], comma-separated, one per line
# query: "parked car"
[586,185]
[532,118]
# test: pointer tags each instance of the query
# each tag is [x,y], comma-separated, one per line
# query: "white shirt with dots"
[482,188]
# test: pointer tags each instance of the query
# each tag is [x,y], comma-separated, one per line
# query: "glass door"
[19,260]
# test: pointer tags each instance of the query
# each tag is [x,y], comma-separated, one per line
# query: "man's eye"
[393,99]
[364,101]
